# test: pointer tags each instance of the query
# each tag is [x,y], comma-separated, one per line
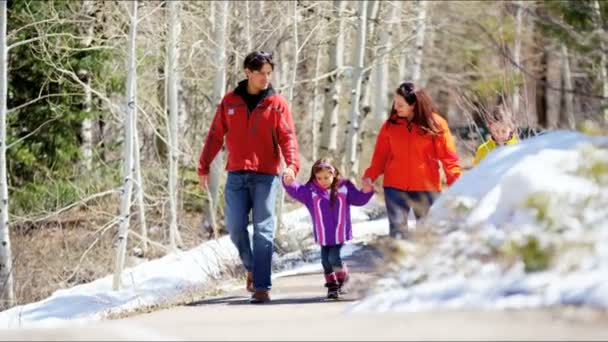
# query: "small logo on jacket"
[230,111]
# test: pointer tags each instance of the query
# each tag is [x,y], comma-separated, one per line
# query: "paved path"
[300,312]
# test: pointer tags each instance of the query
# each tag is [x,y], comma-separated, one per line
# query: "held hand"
[367,185]
[288,176]
[203,182]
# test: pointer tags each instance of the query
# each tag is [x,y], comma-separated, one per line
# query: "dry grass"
[75,248]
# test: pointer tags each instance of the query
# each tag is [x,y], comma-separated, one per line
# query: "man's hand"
[203,181]
[289,176]
[367,185]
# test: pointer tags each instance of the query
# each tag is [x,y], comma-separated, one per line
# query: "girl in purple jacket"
[328,198]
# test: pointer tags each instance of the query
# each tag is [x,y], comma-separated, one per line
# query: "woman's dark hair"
[256,60]
[423,108]
[326,164]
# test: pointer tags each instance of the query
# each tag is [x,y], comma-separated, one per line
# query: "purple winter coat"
[331,223]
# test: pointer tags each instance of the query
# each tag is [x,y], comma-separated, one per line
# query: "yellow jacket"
[488,146]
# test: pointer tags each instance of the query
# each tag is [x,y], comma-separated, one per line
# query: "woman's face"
[402,108]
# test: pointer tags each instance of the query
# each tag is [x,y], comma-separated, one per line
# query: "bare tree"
[603,58]
[219,86]
[419,32]
[6,264]
[172,94]
[329,125]
[568,110]
[351,167]
[125,204]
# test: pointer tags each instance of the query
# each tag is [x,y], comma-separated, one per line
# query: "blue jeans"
[330,258]
[251,191]
[398,204]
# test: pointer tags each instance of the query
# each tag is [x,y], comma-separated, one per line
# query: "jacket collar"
[241,90]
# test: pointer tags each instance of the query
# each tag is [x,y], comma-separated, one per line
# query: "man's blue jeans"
[246,191]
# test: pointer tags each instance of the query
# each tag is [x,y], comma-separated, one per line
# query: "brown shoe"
[249,284]
[260,296]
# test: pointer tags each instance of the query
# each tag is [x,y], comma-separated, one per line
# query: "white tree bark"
[172,92]
[219,86]
[125,204]
[603,58]
[86,130]
[292,84]
[139,183]
[380,79]
[351,166]
[554,83]
[314,107]
[419,32]
[6,262]
[515,104]
[568,110]
[329,126]
[248,20]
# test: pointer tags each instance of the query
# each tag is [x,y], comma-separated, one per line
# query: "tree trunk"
[567,119]
[329,125]
[6,263]
[515,102]
[172,92]
[314,108]
[125,204]
[139,184]
[86,130]
[292,84]
[219,86]
[351,166]
[554,82]
[419,32]
[603,59]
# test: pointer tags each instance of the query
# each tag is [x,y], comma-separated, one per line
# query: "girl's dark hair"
[256,60]
[326,164]
[423,108]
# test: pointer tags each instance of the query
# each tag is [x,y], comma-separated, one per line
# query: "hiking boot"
[249,283]
[343,278]
[260,296]
[331,282]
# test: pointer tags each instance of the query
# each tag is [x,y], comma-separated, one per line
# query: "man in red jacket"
[258,127]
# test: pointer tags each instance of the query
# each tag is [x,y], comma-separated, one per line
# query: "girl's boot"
[331,282]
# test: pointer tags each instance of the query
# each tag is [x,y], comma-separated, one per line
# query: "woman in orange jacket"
[409,147]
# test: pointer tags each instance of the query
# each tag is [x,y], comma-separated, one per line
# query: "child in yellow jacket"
[501,133]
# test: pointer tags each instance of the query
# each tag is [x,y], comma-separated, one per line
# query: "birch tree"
[88,7]
[350,165]
[172,94]
[568,110]
[6,263]
[419,32]
[219,86]
[517,55]
[603,58]
[292,84]
[329,125]
[125,204]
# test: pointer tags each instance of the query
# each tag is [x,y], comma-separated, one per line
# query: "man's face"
[500,131]
[259,80]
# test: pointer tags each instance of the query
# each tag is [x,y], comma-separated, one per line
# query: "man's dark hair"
[256,60]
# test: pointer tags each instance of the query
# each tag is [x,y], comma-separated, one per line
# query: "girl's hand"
[367,185]
[288,176]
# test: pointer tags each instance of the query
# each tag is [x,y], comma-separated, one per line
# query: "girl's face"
[402,108]
[324,177]
[500,131]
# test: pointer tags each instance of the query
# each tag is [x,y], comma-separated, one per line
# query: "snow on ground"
[161,280]
[527,227]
